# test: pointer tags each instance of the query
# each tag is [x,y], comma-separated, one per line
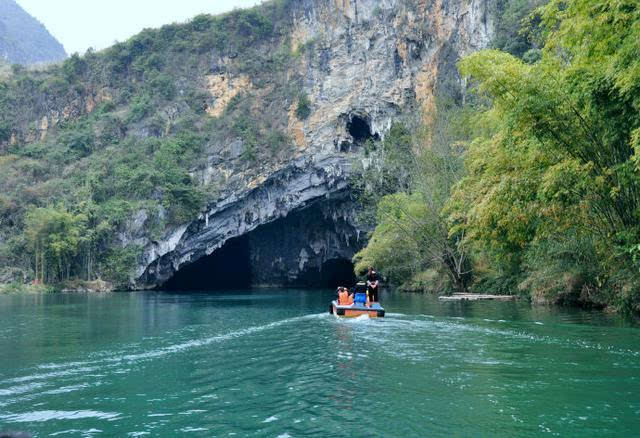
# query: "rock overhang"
[302,183]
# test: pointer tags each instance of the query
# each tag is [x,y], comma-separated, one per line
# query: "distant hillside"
[23,39]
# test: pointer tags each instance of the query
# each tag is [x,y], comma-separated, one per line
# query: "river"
[274,363]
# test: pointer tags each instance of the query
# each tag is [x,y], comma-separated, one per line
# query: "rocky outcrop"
[10,275]
[310,247]
[306,181]
[307,246]
[365,64]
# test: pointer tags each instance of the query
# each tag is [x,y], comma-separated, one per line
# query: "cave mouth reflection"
[227,268]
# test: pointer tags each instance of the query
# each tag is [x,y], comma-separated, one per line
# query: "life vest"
[343,298]
[360,298]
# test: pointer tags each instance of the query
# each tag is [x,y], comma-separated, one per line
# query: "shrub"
[164,86]
[5,131]
[73,67]
[140,107]
[303,111]
[119,264]
[276,140]
[79,139]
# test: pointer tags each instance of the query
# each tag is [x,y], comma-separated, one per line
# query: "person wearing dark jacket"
[373,283]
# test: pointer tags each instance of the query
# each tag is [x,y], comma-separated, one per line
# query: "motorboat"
[355,304]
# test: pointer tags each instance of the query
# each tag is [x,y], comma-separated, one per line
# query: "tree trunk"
[457,275]
[89,264]
[36,254]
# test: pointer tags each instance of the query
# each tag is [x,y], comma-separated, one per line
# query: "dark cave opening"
[333,273]
[360,130]
[226,268]
[338,272]
[308,248]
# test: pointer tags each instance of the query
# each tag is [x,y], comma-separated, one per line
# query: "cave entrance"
[226,268]
[332,273]
[309,248]
[360,130]
[338,272]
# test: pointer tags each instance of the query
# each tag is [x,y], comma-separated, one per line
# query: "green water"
[273,363]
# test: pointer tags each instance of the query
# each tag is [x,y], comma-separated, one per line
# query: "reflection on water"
[273,363]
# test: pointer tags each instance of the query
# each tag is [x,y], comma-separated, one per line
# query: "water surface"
[274,363]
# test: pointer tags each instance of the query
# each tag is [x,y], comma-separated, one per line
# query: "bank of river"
[274,363]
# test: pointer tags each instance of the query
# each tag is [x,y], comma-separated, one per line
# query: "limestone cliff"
[360,63]
[365,63]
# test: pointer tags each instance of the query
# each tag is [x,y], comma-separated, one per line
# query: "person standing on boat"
[373,284]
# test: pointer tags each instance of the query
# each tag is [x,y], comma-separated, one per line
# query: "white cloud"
[80,24]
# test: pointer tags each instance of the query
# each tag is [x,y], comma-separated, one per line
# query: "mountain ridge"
[24,40]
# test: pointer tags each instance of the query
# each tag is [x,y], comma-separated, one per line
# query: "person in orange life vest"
[344,297]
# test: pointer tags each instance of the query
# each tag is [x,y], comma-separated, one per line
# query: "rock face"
[366,63]
[23,40]
[305,182]
[310,247]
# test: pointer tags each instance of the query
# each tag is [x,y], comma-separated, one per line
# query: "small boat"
[356,304]
[374,310]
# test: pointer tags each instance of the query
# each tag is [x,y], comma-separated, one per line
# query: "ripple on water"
[39,416]
[274,375]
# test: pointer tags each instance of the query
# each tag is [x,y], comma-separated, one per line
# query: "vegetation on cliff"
[548,203]
[406,191]
[102,140]
[517,29]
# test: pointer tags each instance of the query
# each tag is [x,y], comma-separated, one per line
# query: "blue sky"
[80,24]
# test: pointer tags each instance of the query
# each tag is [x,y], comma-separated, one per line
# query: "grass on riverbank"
[19,288]
[69,286]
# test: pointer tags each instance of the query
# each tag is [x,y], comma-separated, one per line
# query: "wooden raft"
[475,297]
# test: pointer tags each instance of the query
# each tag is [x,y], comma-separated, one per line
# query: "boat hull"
[375,310]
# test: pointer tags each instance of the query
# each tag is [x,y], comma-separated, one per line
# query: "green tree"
[54,236]
[560,152]
[390,170]
[411,243]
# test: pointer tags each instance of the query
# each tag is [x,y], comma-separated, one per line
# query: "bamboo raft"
[476,297]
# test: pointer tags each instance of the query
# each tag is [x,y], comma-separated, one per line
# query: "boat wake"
[38,383]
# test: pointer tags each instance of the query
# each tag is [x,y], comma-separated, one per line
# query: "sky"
[80,24]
